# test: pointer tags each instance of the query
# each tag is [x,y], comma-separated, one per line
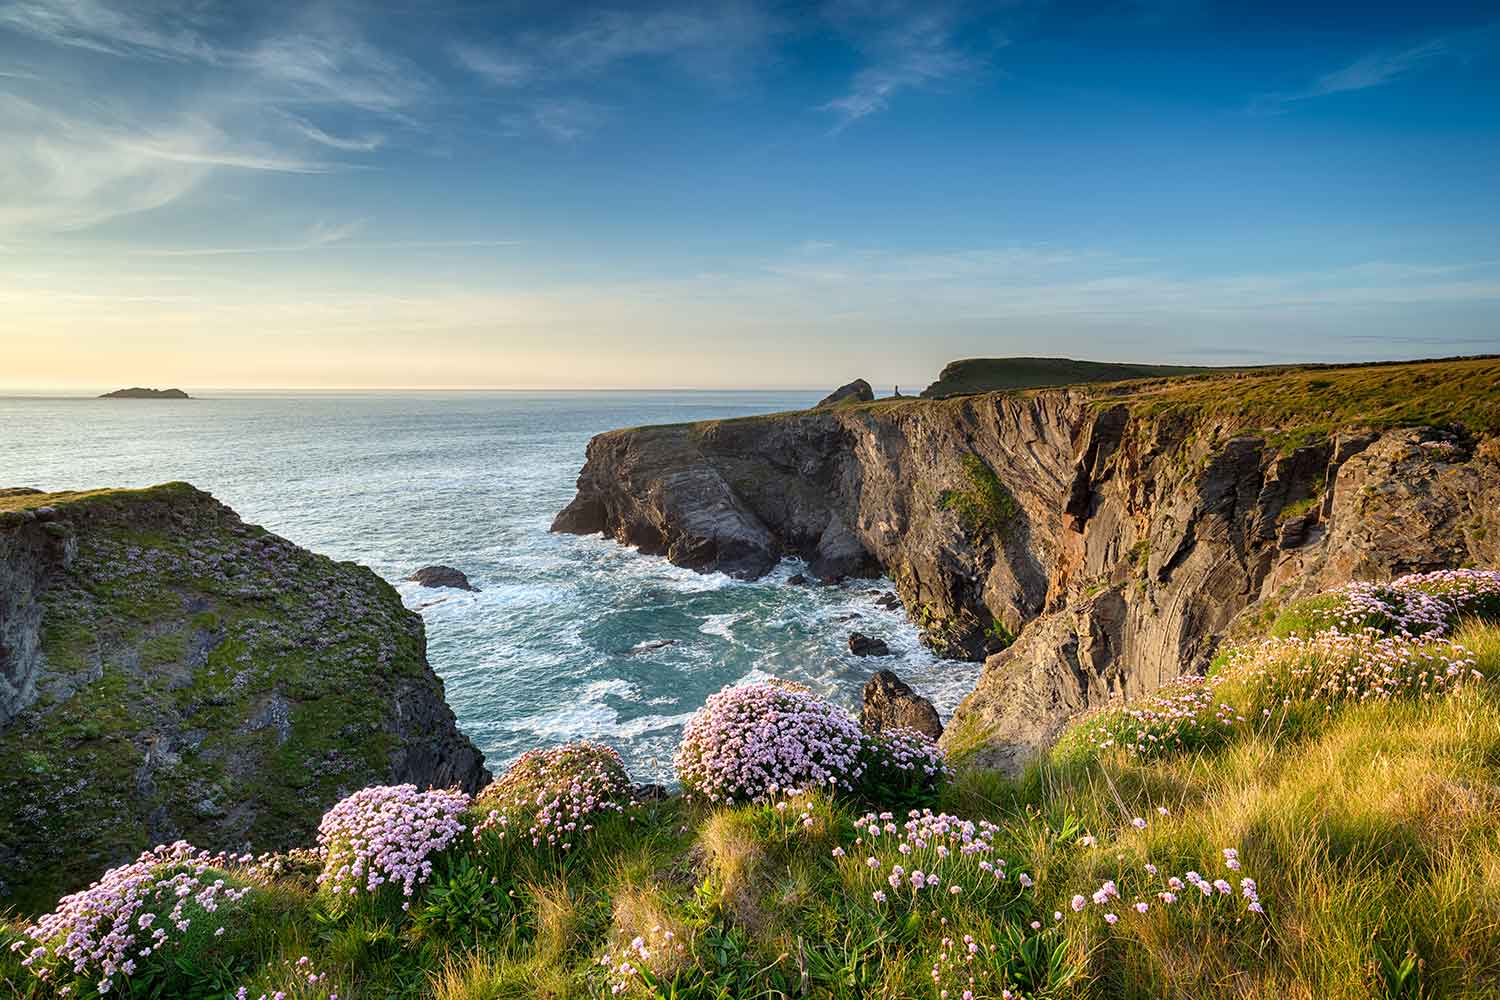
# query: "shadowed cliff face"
[1119,542]
[168,671]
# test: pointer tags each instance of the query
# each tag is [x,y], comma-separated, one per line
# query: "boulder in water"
[651,644]
[863,645]
[442,576]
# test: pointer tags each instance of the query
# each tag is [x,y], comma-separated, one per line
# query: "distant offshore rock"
[139,393]
[858,391]
[442,576]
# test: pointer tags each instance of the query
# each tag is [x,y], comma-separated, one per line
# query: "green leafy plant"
[985,505]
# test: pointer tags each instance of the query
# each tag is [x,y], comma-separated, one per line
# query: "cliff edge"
[1089,542]
[167,671]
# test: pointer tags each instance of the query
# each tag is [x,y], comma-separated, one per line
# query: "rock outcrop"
[168,671]
[890,703]
[858,391]
[863,645]
[442,576]
[1117,530]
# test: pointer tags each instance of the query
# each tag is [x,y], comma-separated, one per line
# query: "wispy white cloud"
[1376,69]
[89,152]
[365,143]
[497,66]
[145,27]
[907,47]
[78,171]
[712,41]
[709,38]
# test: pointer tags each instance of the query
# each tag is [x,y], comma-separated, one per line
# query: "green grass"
[1304,405]
[1371,832]
[983,504]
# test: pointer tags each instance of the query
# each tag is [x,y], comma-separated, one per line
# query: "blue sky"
[738,193]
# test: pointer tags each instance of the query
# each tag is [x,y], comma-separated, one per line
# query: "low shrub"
[758,741]
[137,924]
[556,795]
[751,742]
[387,835]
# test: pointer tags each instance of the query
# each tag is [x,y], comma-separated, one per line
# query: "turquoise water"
[544,653]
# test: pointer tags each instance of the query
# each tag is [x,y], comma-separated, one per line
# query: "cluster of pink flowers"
[1413,605]
[748,743]
[387,834]
[305,983]
[930,854]
[1180,715]
[558,794]
[634,962]
[1372,641]
[1332,667]
[906,750]
[102,934]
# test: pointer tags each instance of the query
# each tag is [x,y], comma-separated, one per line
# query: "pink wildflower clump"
[387,834]
[1332,667]
[645,960]
[748,743]
[926,857]
[1418,604]
[1180,715]
[556,795]
[303,982]
[131,918]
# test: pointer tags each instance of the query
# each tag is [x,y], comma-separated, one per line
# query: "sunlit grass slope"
[1319,818]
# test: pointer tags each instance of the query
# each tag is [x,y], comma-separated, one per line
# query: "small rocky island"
[137,392]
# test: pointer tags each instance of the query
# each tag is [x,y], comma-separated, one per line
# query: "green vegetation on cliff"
[1307,403]
[1339,844]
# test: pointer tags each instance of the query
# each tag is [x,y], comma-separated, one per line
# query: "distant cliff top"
[973,375]
[137,392]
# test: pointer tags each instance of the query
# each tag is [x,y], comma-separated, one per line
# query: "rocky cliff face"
[169,671]
[1119,531]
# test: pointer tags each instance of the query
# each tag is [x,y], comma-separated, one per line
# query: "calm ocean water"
[543,653]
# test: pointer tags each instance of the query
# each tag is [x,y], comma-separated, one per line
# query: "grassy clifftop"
[1316,401]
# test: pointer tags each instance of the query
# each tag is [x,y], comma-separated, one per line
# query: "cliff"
[168,671]
[1117,529]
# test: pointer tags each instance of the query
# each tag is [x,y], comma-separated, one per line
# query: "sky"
[732,193]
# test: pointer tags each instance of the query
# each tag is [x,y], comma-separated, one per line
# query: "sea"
[568,638]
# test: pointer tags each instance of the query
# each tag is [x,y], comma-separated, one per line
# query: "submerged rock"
[890,703]
[442,576]
[651,644]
